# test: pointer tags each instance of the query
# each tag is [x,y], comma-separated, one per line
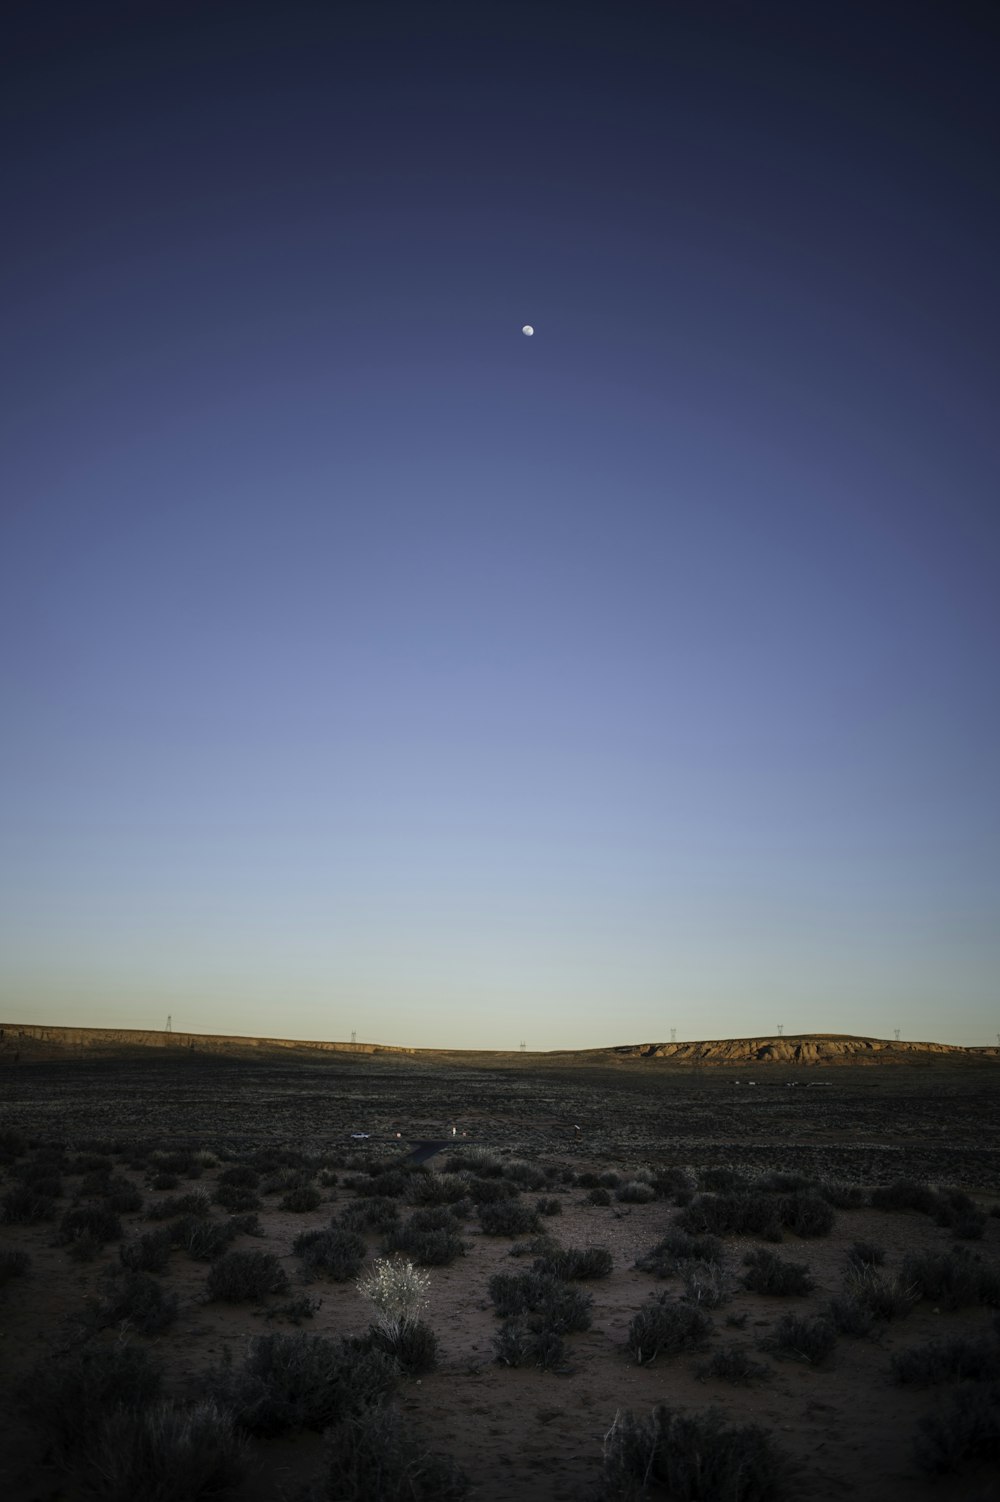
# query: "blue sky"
[368,666]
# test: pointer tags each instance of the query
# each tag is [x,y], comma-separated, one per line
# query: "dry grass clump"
[240,1276]
[296,1381]
[963,1431]
[372,1454]
[802,1339]
[138,1300]
[508,1218]
[691,1457]
[676,1250]
[734,1364]
[768,1273]
[957,1360]
[67,1396]
[952,1279]
[166,1453]
[575,1264]
[665,1327]
[334,1252]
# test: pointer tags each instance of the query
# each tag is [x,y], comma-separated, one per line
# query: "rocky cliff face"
[809,1048]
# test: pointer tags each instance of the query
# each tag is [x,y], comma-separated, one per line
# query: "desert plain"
[613,1149]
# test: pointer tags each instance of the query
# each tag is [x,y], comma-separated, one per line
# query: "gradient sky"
[368,666]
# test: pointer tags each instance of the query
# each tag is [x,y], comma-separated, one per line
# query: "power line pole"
[673,1035]
[523,1045]
[896,1031]
[170,1025]
[781,1029]
[354,1037]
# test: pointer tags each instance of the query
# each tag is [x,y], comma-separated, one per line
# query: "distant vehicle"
[360,1136]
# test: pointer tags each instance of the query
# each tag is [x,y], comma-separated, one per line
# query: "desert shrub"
[707,1284]
[768,1273]
[677,1248]
[461,1191]
[437,1217]
[234,1198]
[302,1198]
[372,1213]
[525,1175]
[665,1327]
[785,1183]
[478,1160]
[550,1302]
[65,1398]
[960,1214]
[238,1276]
[719,1180]
[905,1194]
[734,1364]
[802,1339]
[806,1214]
[239,1176]
[733,1214]
[246,1224]
[13,1264]
[414,1346]
[195,1203]
[137,1299]
[148,1253]
[671,1182]
[285,1179]
[296,1310]
[179,1161]
[963,1430]
[635,1192]
[587,1180]
[885,1295]
[518,1343]
[396,1289]
[296,1381]
[204,1240]
[95,1221]
[952,1279]
[956,1360]
[165,1454]
[24,1206]
[335,1253]
[576,1263]
[100,1164]
[841,1196]
[609,1180]
[544,1245]
[44,1185]
[850,1315]
[548,1206]
[865,1254]
[164,1181]
[508,1218]
[692,1457]
[371,1453]
[435,1247]
[93,1186]
[599,1196]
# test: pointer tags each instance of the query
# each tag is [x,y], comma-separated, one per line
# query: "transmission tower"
[523,1045]
[781,1029]
[673,1035]
[896,1031]
[354,1037]
[170,1025]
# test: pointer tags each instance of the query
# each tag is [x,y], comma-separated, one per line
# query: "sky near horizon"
[370,667]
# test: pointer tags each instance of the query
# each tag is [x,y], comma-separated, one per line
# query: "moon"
[527,330]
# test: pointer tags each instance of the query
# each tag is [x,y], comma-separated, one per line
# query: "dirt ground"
[524,1433]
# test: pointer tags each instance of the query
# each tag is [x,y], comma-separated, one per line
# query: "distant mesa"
[30,1042]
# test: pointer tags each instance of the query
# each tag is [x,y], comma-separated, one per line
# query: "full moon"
[527,329]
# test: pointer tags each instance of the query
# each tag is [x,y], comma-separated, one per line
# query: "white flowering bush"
[397,1289]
